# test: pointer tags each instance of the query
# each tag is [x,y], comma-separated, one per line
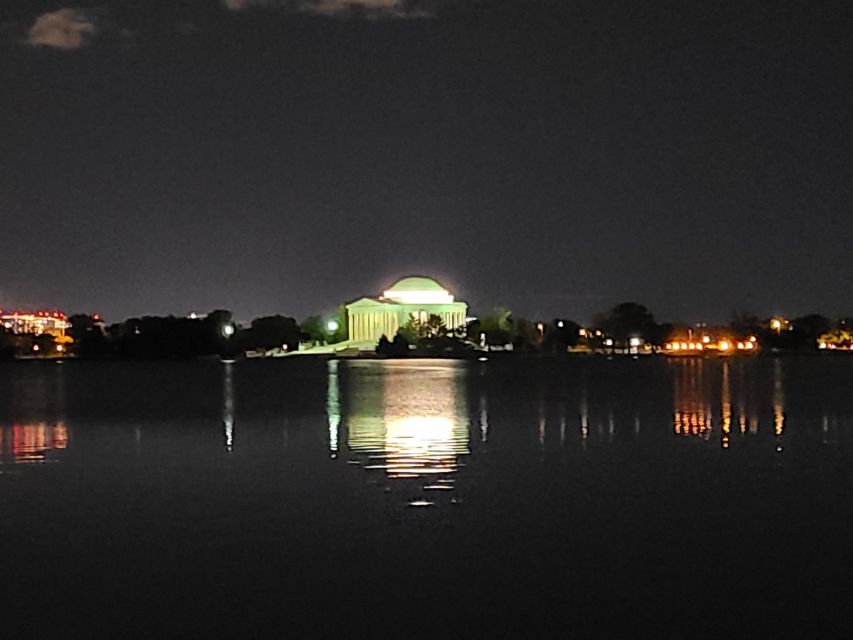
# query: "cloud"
[370,8]
[63,29]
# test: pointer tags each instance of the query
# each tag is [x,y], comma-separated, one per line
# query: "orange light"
[724,345]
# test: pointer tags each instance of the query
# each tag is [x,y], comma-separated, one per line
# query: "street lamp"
[332,326]
[228,330]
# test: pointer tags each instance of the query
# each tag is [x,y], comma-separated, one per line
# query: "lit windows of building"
[37,323]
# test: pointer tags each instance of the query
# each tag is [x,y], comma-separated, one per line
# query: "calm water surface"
[579,497]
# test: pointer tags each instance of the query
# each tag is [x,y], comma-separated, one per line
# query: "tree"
[416,330]
[627,320]
[270,332]
[810,328]
[498,328]
[527,335]
[7,344]
[659,333]
[397,347]
[159,337]
[745,324]
[90,340]
[330,329]
[340,318]
[560,336]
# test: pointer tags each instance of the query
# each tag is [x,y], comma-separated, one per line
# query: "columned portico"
[415,298]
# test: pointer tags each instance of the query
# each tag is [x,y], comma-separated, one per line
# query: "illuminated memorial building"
[38,323]
[413,298]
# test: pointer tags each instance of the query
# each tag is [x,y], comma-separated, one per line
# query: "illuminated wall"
[54,323]
[410,298]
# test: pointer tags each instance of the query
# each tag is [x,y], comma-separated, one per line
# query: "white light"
[560,324]
[608,342]
[228,330]
[332,326]
[419,297]
[635,342]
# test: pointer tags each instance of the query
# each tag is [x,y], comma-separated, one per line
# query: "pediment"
[368,303]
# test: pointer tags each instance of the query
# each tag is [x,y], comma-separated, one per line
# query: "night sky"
[552,157]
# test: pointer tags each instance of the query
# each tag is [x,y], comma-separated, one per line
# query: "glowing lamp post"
[227,350]
[332,326]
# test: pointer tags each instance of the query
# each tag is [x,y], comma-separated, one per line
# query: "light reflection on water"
[29,443]
[691,415]
[695,408]
[424,419]
[333,407]
[410,420]
[228,404]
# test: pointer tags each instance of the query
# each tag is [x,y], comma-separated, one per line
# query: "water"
[515,497]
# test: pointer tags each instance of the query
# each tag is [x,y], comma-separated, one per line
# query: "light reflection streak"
[417,426]
[484,418]
[726,402]
[333,407]
[583,411]
[228,404]
[778,400]
[691,416]
[32,443]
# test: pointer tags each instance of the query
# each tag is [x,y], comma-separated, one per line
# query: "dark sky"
[552,157]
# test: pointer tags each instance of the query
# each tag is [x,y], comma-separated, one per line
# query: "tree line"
[216,334]
[167,337]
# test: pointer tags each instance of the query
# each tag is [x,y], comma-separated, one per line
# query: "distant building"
[39,322]
[412,298]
